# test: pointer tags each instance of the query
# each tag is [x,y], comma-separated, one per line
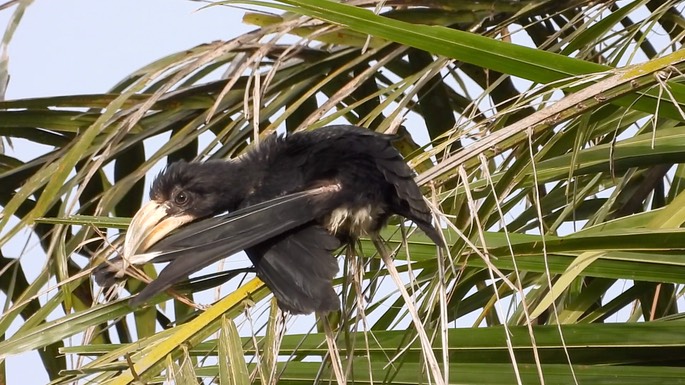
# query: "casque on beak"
[150,224]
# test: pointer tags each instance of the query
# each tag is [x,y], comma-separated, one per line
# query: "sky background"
[83,46]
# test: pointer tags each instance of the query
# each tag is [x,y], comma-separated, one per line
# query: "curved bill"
[150,224]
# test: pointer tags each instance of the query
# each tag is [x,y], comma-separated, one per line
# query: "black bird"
[290,201]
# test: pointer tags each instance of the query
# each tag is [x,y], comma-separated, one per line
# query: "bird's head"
[180,194]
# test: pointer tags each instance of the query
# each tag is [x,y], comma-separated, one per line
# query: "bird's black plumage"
[290,200]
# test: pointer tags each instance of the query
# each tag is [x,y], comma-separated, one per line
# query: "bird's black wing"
[298,268]
[355,151]
[409,200]
[202,243]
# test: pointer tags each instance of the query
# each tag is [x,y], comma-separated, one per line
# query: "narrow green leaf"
[232,364]
[62,328]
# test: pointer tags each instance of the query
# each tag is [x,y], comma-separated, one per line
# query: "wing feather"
[202,243]
[298,268]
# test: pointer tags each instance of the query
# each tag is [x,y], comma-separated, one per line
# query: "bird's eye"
[181,198]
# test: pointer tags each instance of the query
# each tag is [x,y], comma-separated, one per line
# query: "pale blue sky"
[84,46]
[80,46]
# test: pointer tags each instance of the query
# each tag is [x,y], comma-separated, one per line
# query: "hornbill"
[290,200]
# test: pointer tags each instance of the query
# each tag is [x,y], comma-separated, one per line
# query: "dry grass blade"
[614,86]
[432,362]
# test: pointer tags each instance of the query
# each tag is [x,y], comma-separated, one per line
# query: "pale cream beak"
[150,224]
